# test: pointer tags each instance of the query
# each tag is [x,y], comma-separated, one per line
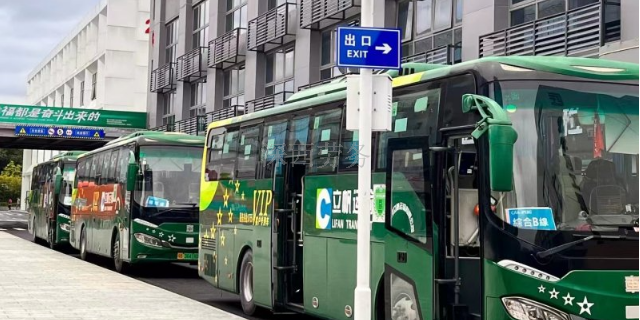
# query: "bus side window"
[325,138]
[214,154]
[123,164]
[350,149]
[248,154]
[104,172]
[227,164]
[93,174]
[451,114]
[113,166]
[298,139]
[273,148]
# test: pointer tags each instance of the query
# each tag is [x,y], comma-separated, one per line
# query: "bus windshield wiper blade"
[568,245]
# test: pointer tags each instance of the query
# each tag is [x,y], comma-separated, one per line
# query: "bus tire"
[51,238]
[246,284]
[116,255]
[83,244]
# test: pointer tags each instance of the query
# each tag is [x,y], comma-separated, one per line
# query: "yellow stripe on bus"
[408,79]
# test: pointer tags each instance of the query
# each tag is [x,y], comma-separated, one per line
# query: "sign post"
[367,48]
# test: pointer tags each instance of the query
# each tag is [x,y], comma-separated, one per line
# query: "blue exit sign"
[371,48]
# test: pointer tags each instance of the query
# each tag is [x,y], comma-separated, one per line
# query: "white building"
[101,64]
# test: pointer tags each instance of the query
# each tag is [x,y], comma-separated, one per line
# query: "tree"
[12,170]
[8,155]
[10,182]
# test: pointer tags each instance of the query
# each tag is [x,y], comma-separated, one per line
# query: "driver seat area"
[604,193]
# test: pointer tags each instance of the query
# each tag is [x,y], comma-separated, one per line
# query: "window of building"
[236,16]
[172,41]
[168,117]
[279,75]
[62,100]
[200,24]
[325,141]
[233,84]
[430,24]
[82,93]
[523,11]
[328,68]
[71,93]
[94,82]
[198,99]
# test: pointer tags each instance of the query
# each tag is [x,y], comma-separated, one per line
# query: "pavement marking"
[1,229]
[19,229]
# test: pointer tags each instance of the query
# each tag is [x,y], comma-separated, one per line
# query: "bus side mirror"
[497,126]
[57,183]
[132,175]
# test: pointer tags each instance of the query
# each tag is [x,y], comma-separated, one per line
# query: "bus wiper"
[164,211]
[193,204]
[568,245]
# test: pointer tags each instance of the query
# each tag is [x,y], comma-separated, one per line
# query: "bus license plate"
[632,312]
[189,256]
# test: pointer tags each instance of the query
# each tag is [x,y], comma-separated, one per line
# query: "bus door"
[458,277]
[409,240]
[288,243]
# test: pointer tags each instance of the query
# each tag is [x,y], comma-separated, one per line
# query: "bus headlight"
[65,227]
[525,309]
[148,240]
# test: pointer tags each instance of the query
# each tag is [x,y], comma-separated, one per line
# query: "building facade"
[101,64]
[214,59]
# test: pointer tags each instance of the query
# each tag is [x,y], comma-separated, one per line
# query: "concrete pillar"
[480,18]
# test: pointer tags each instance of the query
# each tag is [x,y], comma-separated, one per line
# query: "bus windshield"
[576,157]
[68,175]
[171,181]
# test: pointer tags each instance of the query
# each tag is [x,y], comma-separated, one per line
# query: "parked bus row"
[505,186]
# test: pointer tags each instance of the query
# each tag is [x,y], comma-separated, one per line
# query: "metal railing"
[578,32]
[272,28]
[227,49]
[268,102]
[192,65]
[440,55]
[314,11]
[163,79]
[323,81]
[197,125]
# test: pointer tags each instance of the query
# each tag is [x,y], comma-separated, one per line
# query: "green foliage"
[8,155]
[12,170]
[10,188]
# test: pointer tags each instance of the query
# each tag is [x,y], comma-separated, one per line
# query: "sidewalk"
[38,283]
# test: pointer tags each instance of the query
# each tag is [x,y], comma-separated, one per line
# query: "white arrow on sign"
[385,48]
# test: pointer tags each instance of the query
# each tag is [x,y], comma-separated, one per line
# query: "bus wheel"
[83,244]
[51,237]
[246,284]
[118,264]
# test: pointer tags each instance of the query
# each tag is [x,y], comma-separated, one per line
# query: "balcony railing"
[273,28]
[228,49]
[163,79]
[440,55]
[192,66]
[197,125]
[317,14]
[578,32]
[268,102]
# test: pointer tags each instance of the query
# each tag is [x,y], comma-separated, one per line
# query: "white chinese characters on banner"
[30,113]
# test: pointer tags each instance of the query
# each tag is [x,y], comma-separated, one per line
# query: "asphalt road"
[179,278]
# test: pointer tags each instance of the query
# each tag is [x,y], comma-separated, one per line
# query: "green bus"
[136,199]
[49,199]
[506,186]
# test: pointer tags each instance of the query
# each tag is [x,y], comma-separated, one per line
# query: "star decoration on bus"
[225,197]
[213,230]
[585,306]
[225,261]
[222,238]
[219,215]
[553,294]
[172,238]
[541,289]
[161,234]
[242,196]
[237,186]
[230,216]
[568,299]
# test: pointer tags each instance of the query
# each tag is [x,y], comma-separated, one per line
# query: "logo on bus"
[323,208]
